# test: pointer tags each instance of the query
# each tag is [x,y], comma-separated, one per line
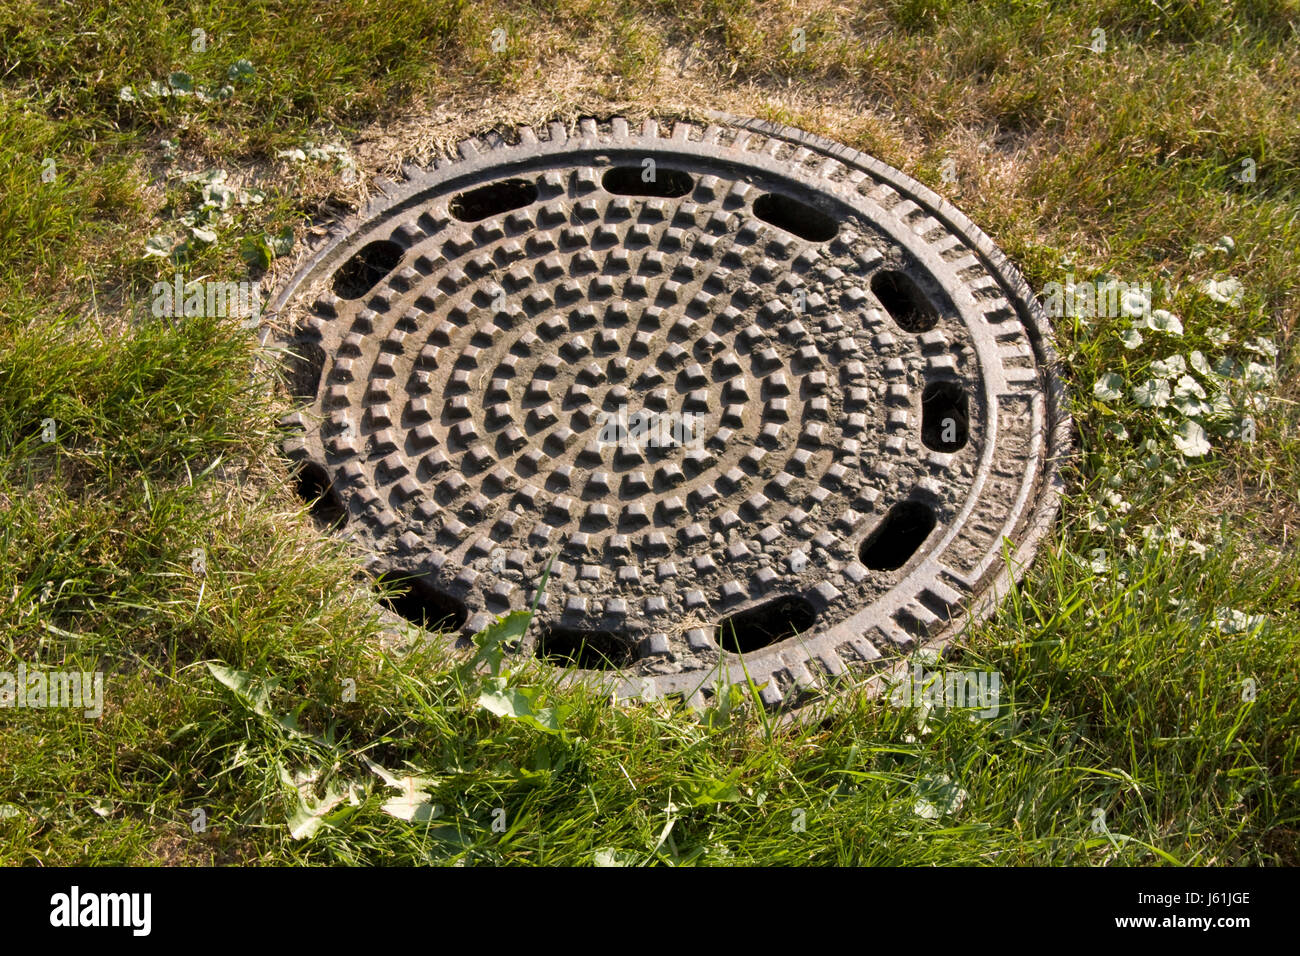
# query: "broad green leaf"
[160,246]
[608,856]
[1134,303]
[1109,387]
[413,807]
[1224,291]
[1231,621]
[1168,367]
[705,790]
[498,637]
[255,251]
[311,814]
[219,195]
[1164,321]
[1261,345]
[519,703]
[282,243]
[399,783]
[1153,393]
[1258,377]
[1190,439]
[249,688]
[938,795]
[241,71]
[1188,395]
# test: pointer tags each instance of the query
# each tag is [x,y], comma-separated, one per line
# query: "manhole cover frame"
[862,647]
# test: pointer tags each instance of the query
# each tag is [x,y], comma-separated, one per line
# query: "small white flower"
[1131,338]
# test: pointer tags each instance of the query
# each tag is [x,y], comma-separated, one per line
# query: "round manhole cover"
[760,397]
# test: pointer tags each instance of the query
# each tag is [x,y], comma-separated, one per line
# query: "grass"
[1148,662]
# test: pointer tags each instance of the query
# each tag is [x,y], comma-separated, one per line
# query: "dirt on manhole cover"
[758,393]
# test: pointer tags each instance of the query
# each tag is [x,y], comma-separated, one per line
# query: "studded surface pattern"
[457,405]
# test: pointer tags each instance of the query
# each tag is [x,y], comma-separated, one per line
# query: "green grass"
[1121,693]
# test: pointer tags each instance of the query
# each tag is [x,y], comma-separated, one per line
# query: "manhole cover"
[757,393]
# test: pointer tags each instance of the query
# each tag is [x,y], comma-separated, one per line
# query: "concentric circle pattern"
[751,391]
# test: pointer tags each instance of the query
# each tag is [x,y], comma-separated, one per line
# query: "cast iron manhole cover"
[756,391]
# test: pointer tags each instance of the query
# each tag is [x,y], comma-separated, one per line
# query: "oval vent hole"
[904,301]
[424,605]
[630,181]
[367,268]
[314,487]
[899,536]
[493,199]
[945,423]
[590,650]
[766,624]
[799,218]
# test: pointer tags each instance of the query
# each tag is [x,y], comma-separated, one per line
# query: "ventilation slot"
[796,217]
[766,624]
[899,536]
[424,605]
[304,370]
[366,268]
[589,650]
[492,199]
[630,181]
[904,301]
[315,488]
[945,423]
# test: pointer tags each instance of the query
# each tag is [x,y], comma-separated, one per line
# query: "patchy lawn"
[150,530]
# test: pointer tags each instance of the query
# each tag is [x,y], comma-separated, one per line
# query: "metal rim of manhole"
[778,412]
